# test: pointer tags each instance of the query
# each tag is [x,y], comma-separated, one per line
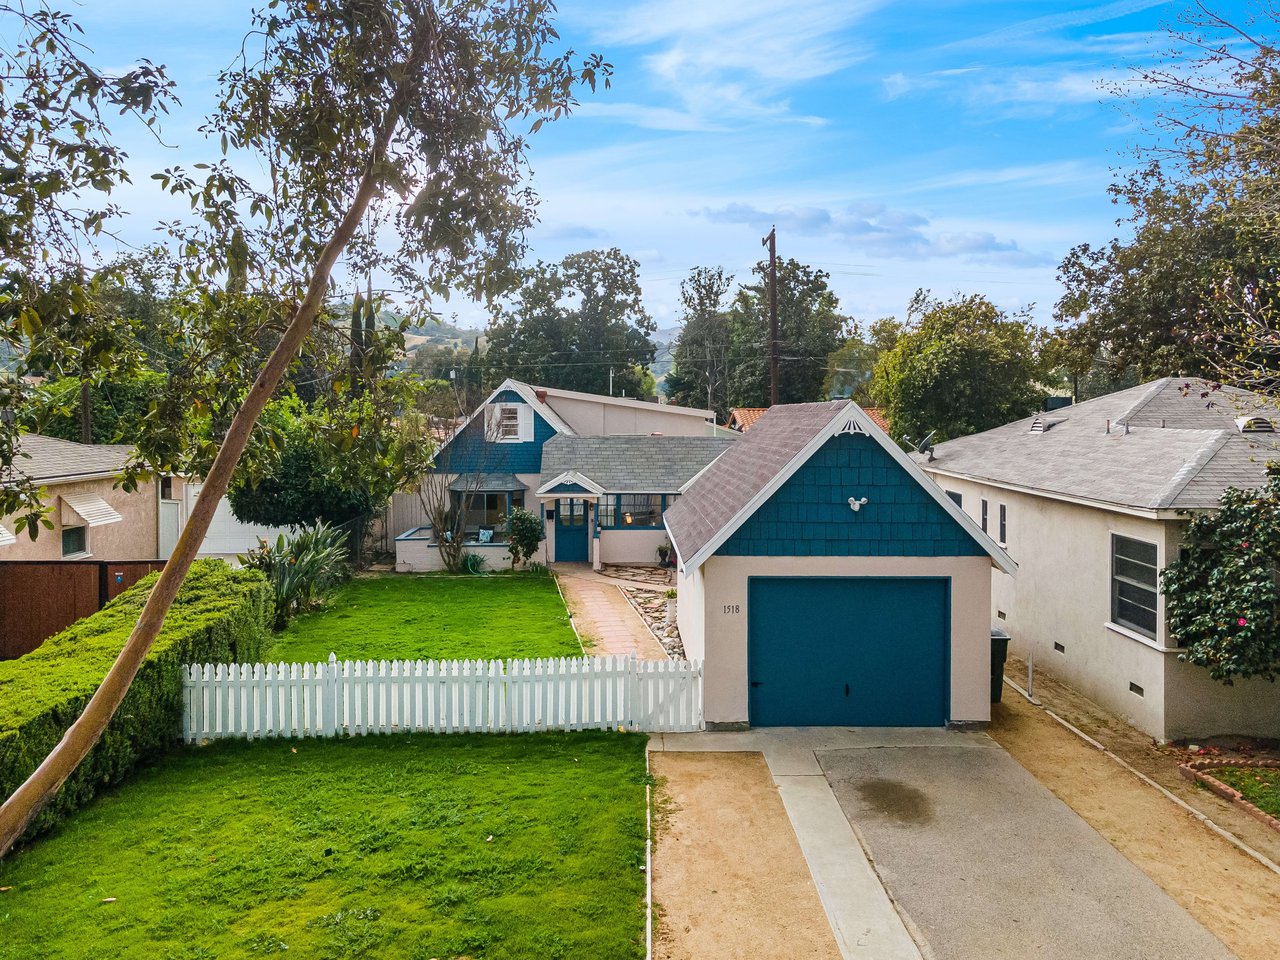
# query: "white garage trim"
[92,509]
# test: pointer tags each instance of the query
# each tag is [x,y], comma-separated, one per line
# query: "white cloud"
[1061,21]
[877,230]
[646,117]
[724,60]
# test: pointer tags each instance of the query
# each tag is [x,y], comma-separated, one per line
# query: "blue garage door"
[848,651]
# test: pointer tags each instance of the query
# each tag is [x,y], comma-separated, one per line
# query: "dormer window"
[509,422]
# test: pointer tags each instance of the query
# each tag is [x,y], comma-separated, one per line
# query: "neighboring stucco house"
[824,579]
[96,520]
[1091,500]
[92,517]
[598,470]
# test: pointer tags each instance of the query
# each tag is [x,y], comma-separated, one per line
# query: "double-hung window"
[1134,584]
[508,423]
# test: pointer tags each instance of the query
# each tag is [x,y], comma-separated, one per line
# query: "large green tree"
[699,376]
[810,329]
[349,122]
[579,324]
[59,167]
[959,367]
[1156,302]
[852,366]
[1195,289]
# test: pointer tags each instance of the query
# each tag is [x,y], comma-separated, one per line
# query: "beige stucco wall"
[1198,706]
[133,538]
[1063,595]
[720,639]
[631,546]
[591,418]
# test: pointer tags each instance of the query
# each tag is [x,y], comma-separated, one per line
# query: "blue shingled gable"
[470,452]
[809,514]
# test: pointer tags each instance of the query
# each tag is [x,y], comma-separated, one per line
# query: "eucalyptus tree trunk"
[21,808]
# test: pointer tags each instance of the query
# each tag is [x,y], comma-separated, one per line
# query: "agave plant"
[303,568]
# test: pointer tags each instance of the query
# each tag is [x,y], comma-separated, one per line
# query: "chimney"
[541,395]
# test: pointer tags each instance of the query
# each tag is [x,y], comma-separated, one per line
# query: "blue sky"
[960,146]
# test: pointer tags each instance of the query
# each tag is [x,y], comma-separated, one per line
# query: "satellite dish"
[925,446]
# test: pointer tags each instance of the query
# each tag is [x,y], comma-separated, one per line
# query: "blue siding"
[469,452]
[809,515]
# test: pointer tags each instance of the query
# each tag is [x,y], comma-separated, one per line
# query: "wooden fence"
[39,598]
[453,696]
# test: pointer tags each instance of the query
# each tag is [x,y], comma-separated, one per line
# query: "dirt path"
[1233,896]
[729,880]
[1157,761]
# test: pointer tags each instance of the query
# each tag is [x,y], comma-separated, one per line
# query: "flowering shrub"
[1221,594]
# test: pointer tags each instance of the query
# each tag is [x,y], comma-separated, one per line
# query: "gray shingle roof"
[632,464]
[729,484]
[1180,450]
[50,460]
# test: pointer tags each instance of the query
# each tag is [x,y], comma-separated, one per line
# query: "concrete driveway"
[985,862]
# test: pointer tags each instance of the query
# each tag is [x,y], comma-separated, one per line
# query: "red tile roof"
[741,418]
[878,416]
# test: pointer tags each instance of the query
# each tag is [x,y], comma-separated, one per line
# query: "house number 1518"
[731,608]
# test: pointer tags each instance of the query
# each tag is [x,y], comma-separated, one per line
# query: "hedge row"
[220,615]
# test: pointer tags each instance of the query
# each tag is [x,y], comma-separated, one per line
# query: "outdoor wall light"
[855,504]
[626,518]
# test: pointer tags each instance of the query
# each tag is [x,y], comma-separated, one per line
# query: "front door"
[571,531]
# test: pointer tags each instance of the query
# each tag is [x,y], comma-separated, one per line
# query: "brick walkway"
[607,623]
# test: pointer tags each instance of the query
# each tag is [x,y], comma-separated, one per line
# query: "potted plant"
[671,606]
[664,554]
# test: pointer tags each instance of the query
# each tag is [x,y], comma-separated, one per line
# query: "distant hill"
[664,342]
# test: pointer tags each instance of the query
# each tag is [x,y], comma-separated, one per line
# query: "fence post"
[632,709]
[331,687]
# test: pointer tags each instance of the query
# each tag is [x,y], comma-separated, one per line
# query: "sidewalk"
[605,620]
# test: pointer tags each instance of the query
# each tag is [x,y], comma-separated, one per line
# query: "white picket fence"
[451,696]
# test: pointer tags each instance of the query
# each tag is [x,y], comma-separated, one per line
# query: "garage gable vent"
[1255,425]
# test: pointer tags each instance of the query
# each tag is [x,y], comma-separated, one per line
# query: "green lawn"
[404,617]
[1260,785]
[389,847]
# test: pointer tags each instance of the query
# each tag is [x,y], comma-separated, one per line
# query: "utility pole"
[771,241]
[611,381]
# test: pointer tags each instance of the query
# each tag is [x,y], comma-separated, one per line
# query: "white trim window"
[1135,582]
[509,422]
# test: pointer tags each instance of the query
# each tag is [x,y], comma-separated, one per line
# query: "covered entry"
[848,651]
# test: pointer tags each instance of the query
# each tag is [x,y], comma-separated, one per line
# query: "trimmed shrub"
[220,615]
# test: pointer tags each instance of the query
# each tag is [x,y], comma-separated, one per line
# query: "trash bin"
[999,652]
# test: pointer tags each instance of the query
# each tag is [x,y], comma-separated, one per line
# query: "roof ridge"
[1153,391]
[1189,470]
